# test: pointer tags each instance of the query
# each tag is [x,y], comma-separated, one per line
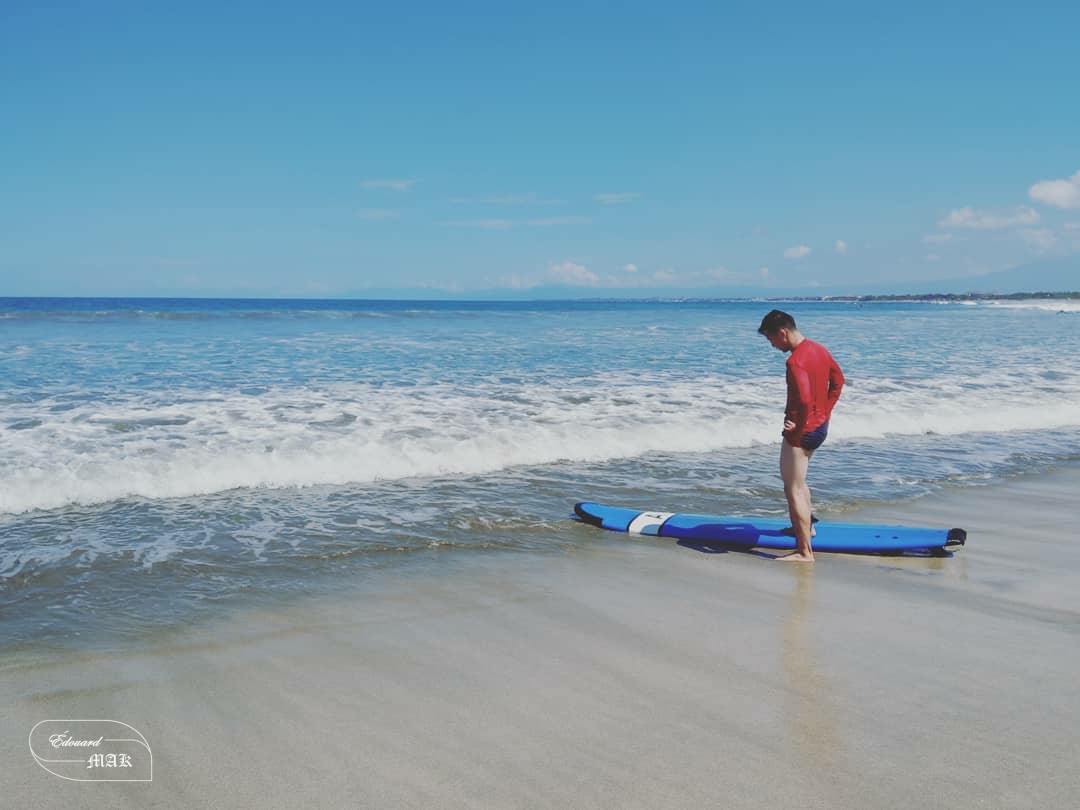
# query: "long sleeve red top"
[814,381]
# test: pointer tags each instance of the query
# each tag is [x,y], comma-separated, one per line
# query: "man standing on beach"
[814,381]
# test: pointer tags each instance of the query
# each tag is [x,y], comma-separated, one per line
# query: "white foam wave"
[1045,304]
[184,444]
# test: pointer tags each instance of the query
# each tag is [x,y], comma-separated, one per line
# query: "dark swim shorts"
[813,439]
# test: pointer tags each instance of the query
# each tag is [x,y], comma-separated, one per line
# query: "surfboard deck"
[767,532]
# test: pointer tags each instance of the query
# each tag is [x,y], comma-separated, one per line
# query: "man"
[814,381]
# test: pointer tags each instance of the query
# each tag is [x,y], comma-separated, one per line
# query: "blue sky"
[327,149]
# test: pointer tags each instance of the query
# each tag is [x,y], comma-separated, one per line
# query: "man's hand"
[788,425]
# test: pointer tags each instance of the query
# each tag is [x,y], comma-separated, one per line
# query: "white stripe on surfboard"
[639,524]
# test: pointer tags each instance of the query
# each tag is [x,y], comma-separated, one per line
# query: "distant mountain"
[1048,275]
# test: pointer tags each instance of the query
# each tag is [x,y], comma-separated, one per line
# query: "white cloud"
[1041,239]
[391,184]
[1059,193]
[936,238]
[548,221]
[520,283]
[452,286]
[989,220]
[485,224]
[615,199]
[165,261]
[721,275]
[717,272]
[797,252]
[507,224]
[569,272]
[525,198]
[376,213]
[840,247]
[575,273]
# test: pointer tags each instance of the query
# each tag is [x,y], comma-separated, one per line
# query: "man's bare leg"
[794,462]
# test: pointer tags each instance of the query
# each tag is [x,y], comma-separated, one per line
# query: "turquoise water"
[161,457]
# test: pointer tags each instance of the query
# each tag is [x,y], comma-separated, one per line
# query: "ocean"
[163,460]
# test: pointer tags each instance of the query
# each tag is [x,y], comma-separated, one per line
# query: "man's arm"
[836,382]
[799,399]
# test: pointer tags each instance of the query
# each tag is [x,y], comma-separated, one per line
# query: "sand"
[619,673]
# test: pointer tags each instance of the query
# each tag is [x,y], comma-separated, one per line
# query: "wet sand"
[620,673]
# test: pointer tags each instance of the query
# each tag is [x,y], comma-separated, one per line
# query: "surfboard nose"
[581,510]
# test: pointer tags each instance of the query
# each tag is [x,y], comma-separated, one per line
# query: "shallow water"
[163,457]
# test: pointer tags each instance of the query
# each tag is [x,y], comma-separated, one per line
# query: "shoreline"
[630,673]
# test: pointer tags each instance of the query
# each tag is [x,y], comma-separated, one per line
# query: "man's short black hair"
[775,321]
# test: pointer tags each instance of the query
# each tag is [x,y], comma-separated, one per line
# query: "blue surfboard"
[768,533]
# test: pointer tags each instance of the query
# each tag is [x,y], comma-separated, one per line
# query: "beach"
[351,356]
[614,672]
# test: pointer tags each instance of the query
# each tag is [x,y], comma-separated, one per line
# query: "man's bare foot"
[795,556]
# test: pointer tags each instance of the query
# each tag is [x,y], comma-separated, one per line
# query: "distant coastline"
[897,298]
[946,297]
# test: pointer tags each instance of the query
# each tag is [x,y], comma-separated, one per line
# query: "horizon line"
[593,298]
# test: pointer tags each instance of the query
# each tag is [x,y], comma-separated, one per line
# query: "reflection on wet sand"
[818,745]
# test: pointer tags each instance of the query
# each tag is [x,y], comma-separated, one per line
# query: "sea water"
[159,458]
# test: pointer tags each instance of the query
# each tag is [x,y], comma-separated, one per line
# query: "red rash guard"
[814,381]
